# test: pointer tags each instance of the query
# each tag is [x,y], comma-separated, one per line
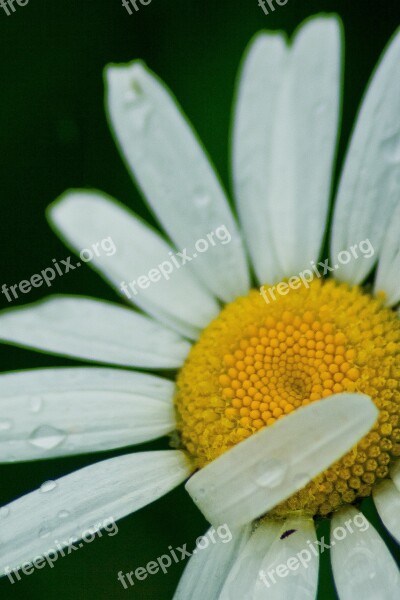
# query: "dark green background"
[55,136]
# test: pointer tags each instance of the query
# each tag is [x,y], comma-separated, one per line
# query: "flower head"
[286,405]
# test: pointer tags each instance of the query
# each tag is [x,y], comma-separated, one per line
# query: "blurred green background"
[55,136]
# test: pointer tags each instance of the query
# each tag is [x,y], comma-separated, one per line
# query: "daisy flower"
[285,412]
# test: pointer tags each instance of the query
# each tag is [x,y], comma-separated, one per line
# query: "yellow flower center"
[258,362]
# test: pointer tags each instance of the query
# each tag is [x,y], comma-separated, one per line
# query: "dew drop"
[44,531]
[134,94]
[48,486]
[4,512]
[301,480]
[5,425]
[357,560]
[320,109]
[201,199]
[202,492]
[391,147]
[47,437]
[36,404]
[270,473]
[140,116]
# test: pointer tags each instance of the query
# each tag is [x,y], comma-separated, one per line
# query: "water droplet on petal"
[301,480]
[140,116]
[270,473]
[47,437]
[358,558]
[44,531]
[48,486]
[4,512]
[201,199]
[391,147]
[134,93]
[36,404]
[5,425]
[320,108]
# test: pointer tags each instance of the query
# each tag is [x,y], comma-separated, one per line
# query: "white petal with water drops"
[363,567]
[93,497]
[370,183]
[387,502]
[90,329]
[59,412]
[176,177]
[254,476]
[205,573]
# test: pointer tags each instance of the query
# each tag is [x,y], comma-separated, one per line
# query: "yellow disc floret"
[258,362]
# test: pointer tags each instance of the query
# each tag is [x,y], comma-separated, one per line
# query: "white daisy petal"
[251,478]
[205,573]
[260,82]
[276,567]
[294,562]
[91,329]
[363,567]
[387,277]
[387,501]
[370,184]
[285,140]
[59,412]
[175,175]
[35,524]
[142,262]
[242,580]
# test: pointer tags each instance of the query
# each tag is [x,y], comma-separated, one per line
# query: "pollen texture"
[258,362]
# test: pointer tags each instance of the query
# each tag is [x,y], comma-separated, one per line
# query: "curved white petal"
[253,125]
[285,134]
[205,573]
[297,579]
[175,175]
[388,274]
[251,478]
[59,412]
[142,268]
[242,580]
[363,567]
[276,568]
[370,184]
[90,329]
[36,524]
[387,501]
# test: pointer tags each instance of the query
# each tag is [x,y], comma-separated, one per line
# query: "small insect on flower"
[287,533]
